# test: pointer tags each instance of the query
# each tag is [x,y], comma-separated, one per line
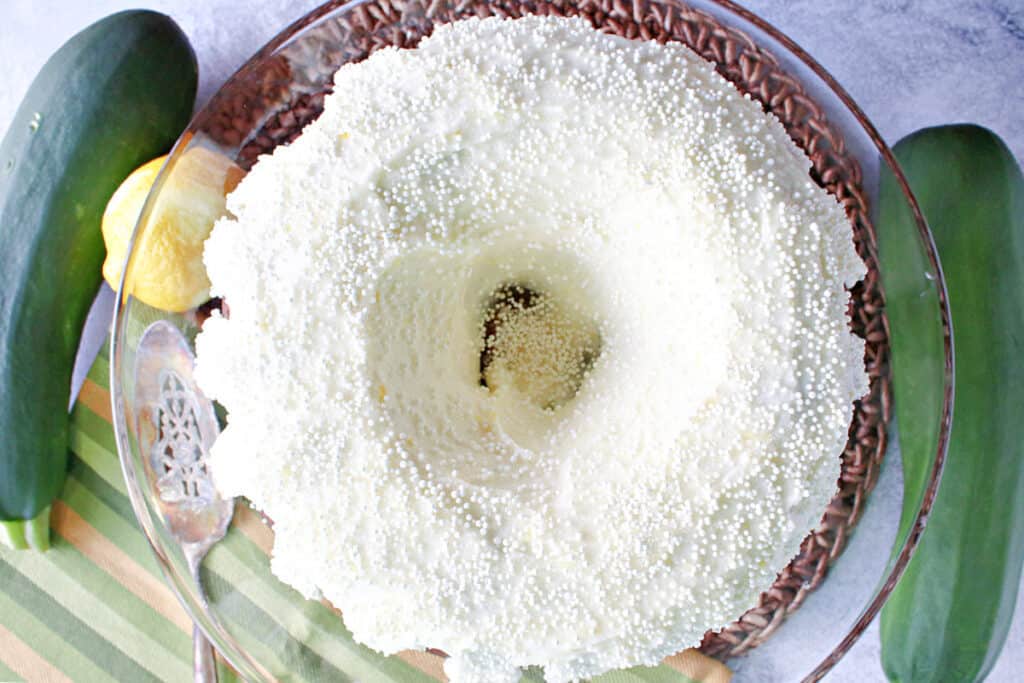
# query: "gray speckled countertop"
[908,63]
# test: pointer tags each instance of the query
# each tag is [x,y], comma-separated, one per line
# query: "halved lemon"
[167,270]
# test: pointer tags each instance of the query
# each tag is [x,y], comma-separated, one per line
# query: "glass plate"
[268,631]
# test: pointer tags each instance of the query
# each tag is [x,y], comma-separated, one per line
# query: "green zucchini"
[949,615]
[117,94]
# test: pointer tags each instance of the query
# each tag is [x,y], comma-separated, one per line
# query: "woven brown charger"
[272,106]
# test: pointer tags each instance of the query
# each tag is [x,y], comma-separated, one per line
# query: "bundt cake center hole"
[536,345]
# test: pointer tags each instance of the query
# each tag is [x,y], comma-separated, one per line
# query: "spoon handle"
[204,669]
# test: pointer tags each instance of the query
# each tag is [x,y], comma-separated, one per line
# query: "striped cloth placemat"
[95,606]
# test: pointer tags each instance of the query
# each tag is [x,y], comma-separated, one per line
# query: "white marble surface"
[908,63]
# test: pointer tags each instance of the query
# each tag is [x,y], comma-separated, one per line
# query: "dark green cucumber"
[114,96]
[949,615]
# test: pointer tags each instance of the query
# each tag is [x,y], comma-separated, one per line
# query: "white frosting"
[656,436]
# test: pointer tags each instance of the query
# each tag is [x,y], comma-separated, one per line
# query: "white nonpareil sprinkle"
[587,474]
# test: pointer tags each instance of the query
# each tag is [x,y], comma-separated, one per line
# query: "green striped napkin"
[95,608]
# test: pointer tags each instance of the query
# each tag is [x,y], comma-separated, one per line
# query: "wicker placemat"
[274,104]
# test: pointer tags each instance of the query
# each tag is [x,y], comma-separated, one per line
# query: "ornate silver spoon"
[176,426]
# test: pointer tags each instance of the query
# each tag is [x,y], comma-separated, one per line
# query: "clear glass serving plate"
[852,562]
